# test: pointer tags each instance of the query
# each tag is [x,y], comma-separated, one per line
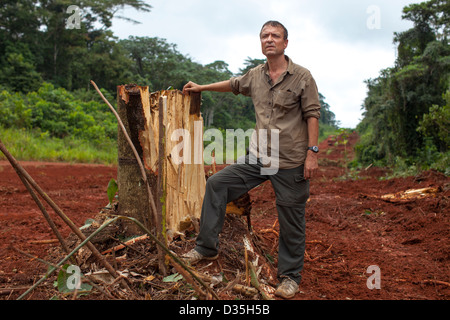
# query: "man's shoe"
[287,289]
[194,257]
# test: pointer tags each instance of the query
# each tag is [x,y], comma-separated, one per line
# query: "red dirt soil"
[349,227]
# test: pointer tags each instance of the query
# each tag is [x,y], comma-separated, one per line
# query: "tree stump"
[172,121]
[133,196]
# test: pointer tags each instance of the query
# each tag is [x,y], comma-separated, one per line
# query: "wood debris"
[410,194]
[405,196]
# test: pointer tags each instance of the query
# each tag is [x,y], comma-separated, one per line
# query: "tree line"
[38,52]
[407,109]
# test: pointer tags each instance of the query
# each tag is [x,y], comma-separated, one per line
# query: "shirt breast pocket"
[286,101]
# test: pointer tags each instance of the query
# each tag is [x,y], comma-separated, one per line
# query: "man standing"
[286,99]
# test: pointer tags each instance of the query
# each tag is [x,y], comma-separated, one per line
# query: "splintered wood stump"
[166,128]
[183,173]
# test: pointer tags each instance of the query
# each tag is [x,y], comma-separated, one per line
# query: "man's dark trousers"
[292,192]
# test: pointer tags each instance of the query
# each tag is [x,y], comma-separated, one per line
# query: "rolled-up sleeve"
[310,100]
[242,84]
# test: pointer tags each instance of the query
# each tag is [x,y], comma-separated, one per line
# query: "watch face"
[314,149]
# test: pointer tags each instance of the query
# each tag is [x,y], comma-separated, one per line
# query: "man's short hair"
[273,23]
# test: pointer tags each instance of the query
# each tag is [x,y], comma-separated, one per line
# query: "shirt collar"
[290,68]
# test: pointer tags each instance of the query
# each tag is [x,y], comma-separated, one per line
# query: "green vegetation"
[406,112]
[57,113]
[27,145]
[56,125]
[112,190]
[48,109]
[68,280]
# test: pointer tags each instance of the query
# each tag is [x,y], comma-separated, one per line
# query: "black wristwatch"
[314,149]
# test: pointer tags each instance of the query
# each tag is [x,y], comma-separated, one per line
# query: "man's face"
[272,41]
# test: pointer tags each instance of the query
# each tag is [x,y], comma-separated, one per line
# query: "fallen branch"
[30,256]
[426,281]
[270,230]
[161,184]
[245,290]
[404,197]
[125,244]
[4,291]
[318,242]
[48,241]
[308,257]
[437,282]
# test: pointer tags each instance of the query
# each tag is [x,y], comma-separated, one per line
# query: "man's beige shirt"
[284,105]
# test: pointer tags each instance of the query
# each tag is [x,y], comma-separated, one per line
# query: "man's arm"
[311,163]
[223,86]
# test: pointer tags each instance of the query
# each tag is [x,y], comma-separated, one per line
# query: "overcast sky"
[342,42]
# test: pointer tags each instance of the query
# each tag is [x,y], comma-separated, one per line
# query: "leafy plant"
[64,278]
[112,190]
[436,123]
[173,278]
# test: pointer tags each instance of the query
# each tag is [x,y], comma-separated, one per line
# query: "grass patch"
[26,145]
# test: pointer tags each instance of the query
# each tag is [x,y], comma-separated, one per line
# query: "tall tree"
[157,63]
[327,116]
[401,95]
[59,53]
[19,34]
